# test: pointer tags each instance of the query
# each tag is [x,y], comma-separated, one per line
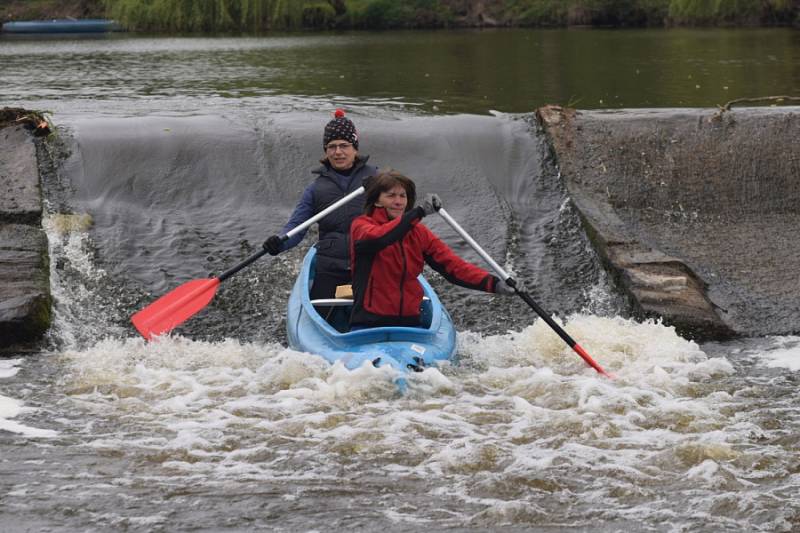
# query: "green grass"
[207,15]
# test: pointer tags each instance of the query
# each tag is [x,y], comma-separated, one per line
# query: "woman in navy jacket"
[343,170]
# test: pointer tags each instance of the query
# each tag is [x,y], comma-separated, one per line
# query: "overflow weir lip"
[692,211]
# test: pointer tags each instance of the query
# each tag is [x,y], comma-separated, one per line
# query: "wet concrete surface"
[693,211]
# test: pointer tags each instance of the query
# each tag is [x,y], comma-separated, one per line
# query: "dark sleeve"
[371,238]
[303,211]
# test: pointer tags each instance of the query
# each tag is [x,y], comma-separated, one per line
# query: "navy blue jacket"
[333,248]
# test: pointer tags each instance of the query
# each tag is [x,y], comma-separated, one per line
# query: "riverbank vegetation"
[50,9]
[653,12]
[264,15]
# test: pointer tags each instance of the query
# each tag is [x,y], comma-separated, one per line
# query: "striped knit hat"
[340,128]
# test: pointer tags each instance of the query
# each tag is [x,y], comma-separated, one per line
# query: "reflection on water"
[470,71]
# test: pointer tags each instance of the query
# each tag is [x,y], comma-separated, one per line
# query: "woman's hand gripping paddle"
[525,296]
[183,302]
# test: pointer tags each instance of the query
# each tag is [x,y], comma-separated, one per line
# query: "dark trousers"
[324,286]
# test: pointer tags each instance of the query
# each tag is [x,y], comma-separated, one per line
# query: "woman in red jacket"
[389,248]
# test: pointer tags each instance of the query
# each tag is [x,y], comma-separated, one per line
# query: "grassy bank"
[264,15]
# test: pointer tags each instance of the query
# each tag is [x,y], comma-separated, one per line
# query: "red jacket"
[386,258]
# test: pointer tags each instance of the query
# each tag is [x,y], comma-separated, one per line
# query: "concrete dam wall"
[695,212]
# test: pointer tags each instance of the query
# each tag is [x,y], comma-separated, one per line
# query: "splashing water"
[518,432]
[11,408]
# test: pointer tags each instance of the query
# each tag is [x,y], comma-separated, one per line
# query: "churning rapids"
[222,428]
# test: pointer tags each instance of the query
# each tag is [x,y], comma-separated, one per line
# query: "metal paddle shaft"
[183,302]
[475,246]
[294,231]
[524,295]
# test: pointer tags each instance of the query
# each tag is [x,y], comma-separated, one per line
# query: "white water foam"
[9,367]
[72,279]
[531,377]
[508,431]
[785,354]
[11,408]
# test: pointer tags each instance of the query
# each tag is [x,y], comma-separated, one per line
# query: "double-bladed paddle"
[183,302]
[522,294]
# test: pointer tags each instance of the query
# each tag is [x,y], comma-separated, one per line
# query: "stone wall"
[25,301]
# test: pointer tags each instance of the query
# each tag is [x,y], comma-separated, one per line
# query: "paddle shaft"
[294,231]
[178,305]
[524,295]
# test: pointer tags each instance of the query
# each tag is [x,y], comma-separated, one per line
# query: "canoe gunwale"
[395,345]
[370,335]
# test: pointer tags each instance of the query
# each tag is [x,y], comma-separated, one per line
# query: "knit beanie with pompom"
[340,128]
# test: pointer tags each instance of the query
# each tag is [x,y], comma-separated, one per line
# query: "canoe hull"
[403,348]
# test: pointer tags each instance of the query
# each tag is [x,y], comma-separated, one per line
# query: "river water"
[176,157]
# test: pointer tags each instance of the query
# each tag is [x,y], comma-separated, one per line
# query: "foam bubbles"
[518,422]
[9,367]
[11,408]
[785,354]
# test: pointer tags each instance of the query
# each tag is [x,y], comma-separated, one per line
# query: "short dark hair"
[384,180]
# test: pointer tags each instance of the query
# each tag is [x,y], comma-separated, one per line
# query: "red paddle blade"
[175,307]
[591,362]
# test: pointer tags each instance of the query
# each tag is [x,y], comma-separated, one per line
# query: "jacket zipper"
[402,277]
[369,296]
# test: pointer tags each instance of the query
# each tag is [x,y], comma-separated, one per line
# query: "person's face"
[394,200]
[341,154]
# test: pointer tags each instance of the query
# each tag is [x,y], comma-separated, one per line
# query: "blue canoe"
[403,348]
[61,26]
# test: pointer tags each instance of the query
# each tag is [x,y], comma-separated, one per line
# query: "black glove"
[504,289]
[274,245]
[431,204]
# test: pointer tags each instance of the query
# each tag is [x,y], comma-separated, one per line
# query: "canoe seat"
[332,302]
[341,302]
